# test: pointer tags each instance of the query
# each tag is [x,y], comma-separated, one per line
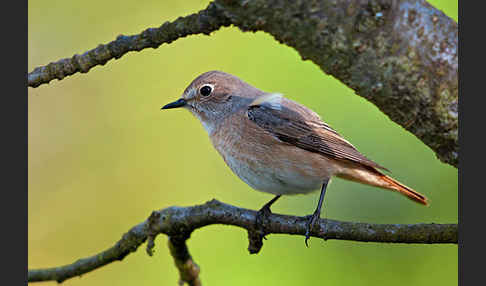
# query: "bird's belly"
[278,181]
[273,171]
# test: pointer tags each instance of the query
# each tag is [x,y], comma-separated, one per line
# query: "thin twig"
[203,22]
[179,222]
[188,269]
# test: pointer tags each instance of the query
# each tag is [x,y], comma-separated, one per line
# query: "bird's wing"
[299,126]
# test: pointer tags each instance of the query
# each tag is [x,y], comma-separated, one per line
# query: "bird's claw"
[310,223]
[261,216]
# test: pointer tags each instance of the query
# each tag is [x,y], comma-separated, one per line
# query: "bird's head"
[213,96]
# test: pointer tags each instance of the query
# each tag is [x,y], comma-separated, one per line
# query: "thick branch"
[401,55]
[179,222]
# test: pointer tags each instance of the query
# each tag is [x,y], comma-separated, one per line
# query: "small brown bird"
[276,145]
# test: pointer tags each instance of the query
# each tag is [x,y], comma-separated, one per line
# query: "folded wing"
[297,125]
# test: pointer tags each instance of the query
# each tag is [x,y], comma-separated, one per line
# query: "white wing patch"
[273,100]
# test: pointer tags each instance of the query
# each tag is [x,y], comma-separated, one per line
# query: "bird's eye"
[206,90]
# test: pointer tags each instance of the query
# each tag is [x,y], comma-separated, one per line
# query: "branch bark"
[188,269]
[179,223]
[205,22]
[401,55]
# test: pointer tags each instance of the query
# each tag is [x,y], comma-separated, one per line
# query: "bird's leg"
[317,213]
[263,213]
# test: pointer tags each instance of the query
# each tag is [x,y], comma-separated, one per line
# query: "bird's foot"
[261,218]
[310,223]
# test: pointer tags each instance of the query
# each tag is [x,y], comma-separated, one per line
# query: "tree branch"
[179,222]
[205,22]
[188,269]
[401,55]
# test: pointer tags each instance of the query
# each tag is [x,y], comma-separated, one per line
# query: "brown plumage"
[276,145]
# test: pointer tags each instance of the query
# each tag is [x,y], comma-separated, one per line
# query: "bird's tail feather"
[404,190]
[371,176]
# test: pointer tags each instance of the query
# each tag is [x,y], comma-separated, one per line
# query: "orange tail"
[404,190]
[371,176]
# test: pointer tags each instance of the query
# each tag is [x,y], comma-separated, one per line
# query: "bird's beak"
[179,103]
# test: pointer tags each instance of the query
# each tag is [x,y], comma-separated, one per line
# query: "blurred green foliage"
[102,156]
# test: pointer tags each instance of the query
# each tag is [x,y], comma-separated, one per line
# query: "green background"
[102,156]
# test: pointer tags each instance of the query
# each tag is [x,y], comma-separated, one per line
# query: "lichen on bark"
[400,55]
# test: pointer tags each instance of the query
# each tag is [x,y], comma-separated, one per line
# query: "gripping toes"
[310,224]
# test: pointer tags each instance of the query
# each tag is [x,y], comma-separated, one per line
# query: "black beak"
[179,103]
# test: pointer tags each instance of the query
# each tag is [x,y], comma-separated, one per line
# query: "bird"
[276,145]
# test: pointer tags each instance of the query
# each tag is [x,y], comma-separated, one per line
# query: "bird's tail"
[371,176]
[404,190]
